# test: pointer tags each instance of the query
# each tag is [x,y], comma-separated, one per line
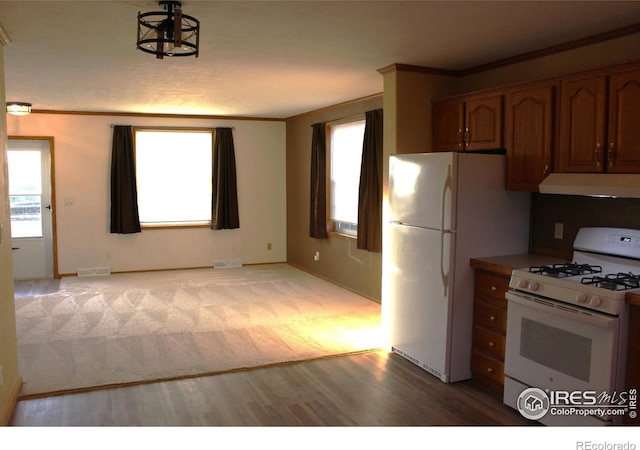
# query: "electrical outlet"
[559,230]
[268,245]
[316,257]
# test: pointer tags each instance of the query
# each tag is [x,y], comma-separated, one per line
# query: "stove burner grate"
[563,270]
[614,282]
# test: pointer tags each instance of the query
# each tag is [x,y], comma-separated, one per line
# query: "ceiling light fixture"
[18,108]
[168,32]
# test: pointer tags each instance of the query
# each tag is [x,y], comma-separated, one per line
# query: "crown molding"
[397,67]
[571,45]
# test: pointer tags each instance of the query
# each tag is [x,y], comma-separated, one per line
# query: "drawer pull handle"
[492,318]
[494,288]
[491,344]
[490,369]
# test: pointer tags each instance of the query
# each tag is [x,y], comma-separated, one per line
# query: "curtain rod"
[174,128]
[356,116]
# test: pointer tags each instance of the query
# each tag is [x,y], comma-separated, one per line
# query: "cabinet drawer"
[487,341]
[490,316]
[488,368]
[489,286]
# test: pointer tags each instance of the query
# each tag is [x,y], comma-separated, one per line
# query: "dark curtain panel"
[224,198]
[318,200]
[370,191]
[124,195]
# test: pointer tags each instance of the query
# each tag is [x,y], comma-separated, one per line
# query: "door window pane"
[25,193]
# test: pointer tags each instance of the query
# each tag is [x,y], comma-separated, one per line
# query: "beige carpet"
[132,328]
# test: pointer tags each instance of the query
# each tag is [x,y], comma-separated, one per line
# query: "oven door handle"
[596,320]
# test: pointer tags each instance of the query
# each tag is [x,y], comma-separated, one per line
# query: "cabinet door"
[448,123]
[529,136]
[483,123]
[582,125]
[623,153]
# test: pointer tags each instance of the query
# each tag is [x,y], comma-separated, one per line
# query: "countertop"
[633,299]
[505,264]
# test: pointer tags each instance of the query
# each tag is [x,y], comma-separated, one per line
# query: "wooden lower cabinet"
[489,330]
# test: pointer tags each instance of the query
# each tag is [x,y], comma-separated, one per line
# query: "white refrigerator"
[444,209]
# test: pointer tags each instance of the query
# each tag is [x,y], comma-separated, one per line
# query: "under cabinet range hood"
[592,184]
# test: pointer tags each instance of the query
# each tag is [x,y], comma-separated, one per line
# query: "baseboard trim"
[5,419]
[62,275]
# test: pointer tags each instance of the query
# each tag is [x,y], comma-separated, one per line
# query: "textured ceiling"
[267,58]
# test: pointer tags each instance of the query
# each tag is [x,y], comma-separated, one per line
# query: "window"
[345,158]
[173,176]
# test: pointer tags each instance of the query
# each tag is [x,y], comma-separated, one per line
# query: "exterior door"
[31,200]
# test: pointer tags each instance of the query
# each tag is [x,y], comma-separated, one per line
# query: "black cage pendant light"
[168,32]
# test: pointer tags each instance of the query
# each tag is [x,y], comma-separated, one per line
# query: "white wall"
[82,157]
[10,381]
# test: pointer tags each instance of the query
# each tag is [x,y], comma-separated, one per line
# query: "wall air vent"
[94,272]
[226,264]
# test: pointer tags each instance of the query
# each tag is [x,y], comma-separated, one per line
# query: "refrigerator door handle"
[445,187]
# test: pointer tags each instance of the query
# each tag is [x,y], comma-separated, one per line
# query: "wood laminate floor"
[369,389]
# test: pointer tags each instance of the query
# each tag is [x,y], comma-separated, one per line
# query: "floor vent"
[95,272]
[226,264]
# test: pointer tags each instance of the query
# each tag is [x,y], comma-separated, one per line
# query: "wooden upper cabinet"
[582,125]
[579,123]
[468,125]
[529,135]
[448,124]
[623,149]
[483,123]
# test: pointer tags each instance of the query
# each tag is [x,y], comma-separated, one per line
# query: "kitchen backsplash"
[575,212]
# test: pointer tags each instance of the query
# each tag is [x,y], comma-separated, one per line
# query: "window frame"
[339,229]
[176,224]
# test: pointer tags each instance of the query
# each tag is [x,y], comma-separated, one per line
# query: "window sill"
[173,226]
[346,237]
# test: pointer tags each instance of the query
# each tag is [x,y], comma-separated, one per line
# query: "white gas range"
[567,330]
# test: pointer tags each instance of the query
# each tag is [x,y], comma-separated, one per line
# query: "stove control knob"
[522,284]
[533,286]
[595,301]
[581,298]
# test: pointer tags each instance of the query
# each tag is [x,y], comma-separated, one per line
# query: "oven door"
[554,346]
